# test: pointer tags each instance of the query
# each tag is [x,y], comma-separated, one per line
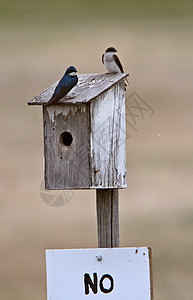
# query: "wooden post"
[107,202]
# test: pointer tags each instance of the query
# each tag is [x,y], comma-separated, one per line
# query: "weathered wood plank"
[107,202]
[89,86]
[66,167]
[115,217]
[108,139]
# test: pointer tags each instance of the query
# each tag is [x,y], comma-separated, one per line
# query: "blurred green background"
[60,11]
[39,40]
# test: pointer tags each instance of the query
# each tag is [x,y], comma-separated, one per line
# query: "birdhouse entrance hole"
[66,138]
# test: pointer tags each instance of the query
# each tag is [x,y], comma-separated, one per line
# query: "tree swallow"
[112,62]
[68,81]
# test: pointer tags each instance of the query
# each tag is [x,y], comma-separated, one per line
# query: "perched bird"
[68,81]
[111,61]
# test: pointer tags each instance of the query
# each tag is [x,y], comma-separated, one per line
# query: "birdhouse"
[85,134]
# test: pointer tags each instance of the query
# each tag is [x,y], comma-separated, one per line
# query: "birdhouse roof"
[89,87]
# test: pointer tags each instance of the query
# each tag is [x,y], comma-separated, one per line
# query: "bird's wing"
[103,59]
[118,63]
[62,89]
[56,97]
[64,82]
[58,87]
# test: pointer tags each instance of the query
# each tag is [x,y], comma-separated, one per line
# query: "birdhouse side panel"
[108,139]
[66,146]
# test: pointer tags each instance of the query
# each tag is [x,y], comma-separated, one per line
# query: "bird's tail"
[51,101]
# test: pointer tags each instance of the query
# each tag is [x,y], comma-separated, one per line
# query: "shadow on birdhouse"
[84,134]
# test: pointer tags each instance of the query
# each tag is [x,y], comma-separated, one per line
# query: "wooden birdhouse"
[85,134]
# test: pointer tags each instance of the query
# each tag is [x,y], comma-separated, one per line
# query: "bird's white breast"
[110,63]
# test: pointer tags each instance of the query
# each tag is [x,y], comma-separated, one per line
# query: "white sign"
[103,273]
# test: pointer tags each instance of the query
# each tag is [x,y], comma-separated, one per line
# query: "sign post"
[107,202]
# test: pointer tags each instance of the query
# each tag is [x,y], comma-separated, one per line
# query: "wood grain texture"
[107,202]
[66,167]
[89,87]
[115,217]
[96,159]
[108,139]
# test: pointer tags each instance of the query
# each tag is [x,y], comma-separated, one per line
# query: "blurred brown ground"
[155,209]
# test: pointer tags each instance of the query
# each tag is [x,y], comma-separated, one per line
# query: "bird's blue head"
[71,71]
